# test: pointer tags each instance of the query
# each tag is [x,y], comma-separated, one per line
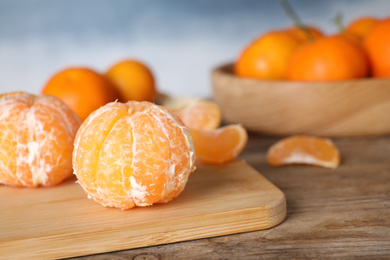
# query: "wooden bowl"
[334,109]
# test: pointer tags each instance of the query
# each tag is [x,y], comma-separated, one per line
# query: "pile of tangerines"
[107,128]
[85,90]
[305,53]
[131,146]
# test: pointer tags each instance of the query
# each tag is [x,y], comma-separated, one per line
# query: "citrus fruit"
[377,44]
[132,154]
[134,81]
[304,150]
[302,35]
[202,114]
[267,57]
[82,89]
[195,112]
[330,58]
[36,140]
[350,35]
[362,26]
[220,145]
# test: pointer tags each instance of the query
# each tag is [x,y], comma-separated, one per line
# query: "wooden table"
[341,213]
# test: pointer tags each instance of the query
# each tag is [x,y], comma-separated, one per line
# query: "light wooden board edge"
[169,231]
[222,223]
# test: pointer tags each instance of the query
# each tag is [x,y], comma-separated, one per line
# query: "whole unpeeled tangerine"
[132,154]
[267,57]
[82,89]
[36,139]
[133,80]
[377,44]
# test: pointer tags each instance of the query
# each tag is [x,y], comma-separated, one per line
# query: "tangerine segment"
[36,140]
[304,150]
[89,140]
[194,112]
[181,156]
[202,114]
[220,145]
[133,154]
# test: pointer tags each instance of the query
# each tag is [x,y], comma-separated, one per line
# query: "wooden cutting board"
[58,222]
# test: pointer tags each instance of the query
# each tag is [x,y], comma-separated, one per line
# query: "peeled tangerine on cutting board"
[36,139]
[133,154]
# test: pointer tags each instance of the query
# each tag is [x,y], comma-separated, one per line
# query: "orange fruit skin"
[362,26]
[267,57]
[353,38]
[331,58]
[134,81]
[36,140]
[303,149]
[302,36]
[377,44]
[82,89]
[132,154]
[220,145]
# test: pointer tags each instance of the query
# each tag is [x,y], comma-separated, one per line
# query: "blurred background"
[181,41]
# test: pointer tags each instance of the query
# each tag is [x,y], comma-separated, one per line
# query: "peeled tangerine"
[36,139]
[133,154]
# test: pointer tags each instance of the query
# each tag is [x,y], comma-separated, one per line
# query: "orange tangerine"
[267,57]
[82,89]
[133,154]
[330,58]
[220,145]
[362,26]
[377,44]
[134,80]
[36,139]
[304,150]
[304,36]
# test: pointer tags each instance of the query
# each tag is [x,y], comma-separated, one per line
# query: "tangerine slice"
[304,150]
[220,145]
[202,114]
[36,139]
[133,154]
[194,112]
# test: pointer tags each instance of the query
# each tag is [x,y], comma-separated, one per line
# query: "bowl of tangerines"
[300,81]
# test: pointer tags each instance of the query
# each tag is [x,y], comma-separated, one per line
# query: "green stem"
[338,21]
[295,18]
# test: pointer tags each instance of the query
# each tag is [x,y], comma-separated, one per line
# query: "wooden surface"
[331,214]
[345,108]
[48,223]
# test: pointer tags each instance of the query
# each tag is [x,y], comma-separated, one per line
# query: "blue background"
[180,40]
